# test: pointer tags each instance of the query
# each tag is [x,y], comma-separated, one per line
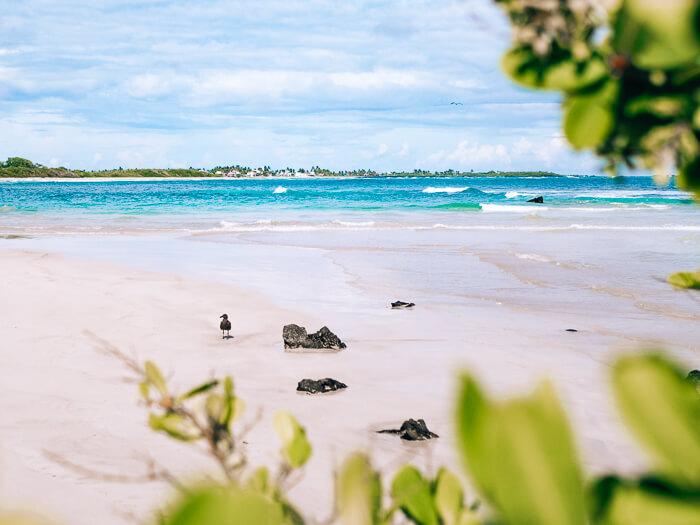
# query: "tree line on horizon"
[18,167]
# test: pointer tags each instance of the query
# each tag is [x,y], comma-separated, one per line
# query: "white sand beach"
[63,399]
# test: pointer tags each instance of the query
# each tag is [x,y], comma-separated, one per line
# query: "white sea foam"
[447,189]
[512,194]
[280,189]
[511,208]
[640,207]
[634,194]
[351,223]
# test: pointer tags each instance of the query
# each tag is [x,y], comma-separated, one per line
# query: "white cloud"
[405,150]
[462,84]
[147,85]
[380,79]
[382,149]
[467,153]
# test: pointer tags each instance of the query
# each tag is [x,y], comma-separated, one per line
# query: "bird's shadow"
[227,337]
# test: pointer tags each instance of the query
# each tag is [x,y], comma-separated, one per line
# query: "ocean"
[322,204]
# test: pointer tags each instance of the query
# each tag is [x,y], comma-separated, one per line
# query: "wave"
[351,223]
[639,207]
[633,194]
[512,194]
[280,189]
[445,189]
[338,225]
[227,227]
[511,208]
[458,206]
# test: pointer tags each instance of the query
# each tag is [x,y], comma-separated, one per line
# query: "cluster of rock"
[295,336]
[320,386]
[412,430]
[537,200]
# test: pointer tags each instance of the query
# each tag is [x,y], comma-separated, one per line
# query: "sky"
[387,85]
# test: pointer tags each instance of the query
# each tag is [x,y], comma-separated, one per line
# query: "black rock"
[571,330]
[401,304]
[296,337]
[412,430]
[322,385]
[694,378]
[538,200]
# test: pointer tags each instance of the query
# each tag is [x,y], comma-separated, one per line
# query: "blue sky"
[340,84]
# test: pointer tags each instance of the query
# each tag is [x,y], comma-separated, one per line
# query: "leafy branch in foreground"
[628,71]
[519,453]
[206,414]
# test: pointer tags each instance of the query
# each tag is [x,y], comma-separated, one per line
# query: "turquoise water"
[340,204]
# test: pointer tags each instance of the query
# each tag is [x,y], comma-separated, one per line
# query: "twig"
[153,474]
[109,349]
[246,429]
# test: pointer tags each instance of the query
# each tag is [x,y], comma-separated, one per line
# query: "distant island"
[17,167]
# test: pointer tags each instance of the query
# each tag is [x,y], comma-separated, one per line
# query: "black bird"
[225,326]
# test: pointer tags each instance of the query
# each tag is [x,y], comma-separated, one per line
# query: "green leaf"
[468,517]
[588,119]
[199,389]
[689,176]
[233,406]
[522,457]
[236,409]
[529,70]
[296,449]
[660,106]
[144,389]
[359,492]
[220,506]
[413,496]
[658,35]
[663,411]
[154,376]
[175,426]
[449,497]
[259,481]
[685,280]
[569,76]
[624,504]
[214,406]
[517,63]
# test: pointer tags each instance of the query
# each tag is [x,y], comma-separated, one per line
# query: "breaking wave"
[445,189]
